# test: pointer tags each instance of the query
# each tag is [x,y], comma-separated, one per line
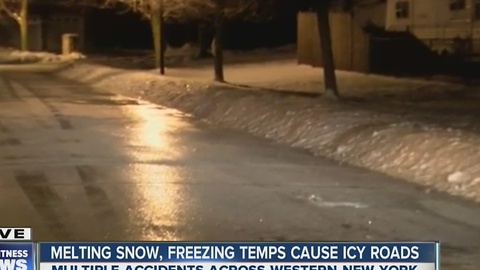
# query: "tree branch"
[196,10]
[12,13]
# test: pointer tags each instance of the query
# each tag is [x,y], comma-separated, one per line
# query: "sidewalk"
[420,131]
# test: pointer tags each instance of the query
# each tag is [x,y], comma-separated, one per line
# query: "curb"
[433,156]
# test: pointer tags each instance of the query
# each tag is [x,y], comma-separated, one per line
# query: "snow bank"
[12,56]
[389,140]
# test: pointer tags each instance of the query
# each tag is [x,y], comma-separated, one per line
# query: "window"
[402,9]
[457,5]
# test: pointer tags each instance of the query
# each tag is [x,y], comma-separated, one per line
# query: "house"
[445,26]
[351,43]
[47,22]
[372,37]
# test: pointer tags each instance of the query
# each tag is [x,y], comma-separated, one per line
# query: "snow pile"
[182,54]
[11,56]
[419,146]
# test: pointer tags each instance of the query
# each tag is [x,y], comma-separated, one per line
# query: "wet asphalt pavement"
[76,164]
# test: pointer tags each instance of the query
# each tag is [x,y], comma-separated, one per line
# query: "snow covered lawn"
[423,132]
[12,56]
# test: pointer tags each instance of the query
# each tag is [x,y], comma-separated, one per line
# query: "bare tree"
[234,9]
[212,11]
[153,10]
[218,41]
[330,80]
[18,10]
[323,10]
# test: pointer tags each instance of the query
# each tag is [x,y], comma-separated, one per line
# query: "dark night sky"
[107,29]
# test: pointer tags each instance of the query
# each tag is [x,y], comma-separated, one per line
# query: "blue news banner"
[17,256]
[237,256]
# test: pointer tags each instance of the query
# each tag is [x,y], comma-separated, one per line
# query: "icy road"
[76,164]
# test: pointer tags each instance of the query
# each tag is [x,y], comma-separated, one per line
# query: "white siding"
[433,21]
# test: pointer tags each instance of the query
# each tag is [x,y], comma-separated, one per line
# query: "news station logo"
[16,253]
